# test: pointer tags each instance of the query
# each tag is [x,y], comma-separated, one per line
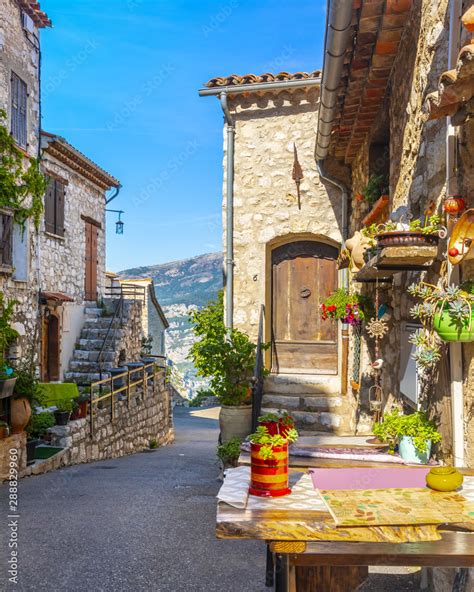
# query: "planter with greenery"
[277,423]
[36,430]
[377,185]
[269,462]
[346,307]
[7,337]
[80,407]
[227,358]
[63,413]
[418,233]
[229,452]
[446,314]
[413,433]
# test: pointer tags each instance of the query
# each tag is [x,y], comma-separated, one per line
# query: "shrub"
[39,424]
[229,452]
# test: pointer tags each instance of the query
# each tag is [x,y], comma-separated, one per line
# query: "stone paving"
[139,523]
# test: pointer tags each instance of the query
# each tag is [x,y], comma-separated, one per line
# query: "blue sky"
[120,81]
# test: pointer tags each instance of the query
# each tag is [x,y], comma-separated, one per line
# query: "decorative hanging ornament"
[377,328]
[454,205]
[297,174]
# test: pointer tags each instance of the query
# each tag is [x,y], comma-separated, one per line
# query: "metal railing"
[127,291]
[258,374]
[111,331]
[130,381]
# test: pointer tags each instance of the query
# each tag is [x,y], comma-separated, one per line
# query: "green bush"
[39,424]
[230,451]
[226,356]
[415,425]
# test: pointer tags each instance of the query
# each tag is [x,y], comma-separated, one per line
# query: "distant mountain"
[192,281]
[181,287]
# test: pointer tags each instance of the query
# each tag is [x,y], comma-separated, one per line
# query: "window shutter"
[19,103]
[49,207]
[59,205]
[6,240]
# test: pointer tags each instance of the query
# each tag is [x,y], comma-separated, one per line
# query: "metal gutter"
[455,348]
[238,89]
[338,26]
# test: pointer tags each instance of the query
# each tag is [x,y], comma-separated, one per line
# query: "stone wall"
[149,417]
[128,343]
[266,208]
[20,54]
[14,445]
[63,258]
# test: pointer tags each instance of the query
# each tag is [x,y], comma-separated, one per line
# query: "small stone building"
[72,248]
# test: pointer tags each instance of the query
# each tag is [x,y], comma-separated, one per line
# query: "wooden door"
[304,273]
[91,262]
[51,344]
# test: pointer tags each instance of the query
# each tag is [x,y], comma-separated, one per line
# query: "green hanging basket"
[450,330]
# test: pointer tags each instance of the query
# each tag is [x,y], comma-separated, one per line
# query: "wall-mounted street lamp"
[119,224]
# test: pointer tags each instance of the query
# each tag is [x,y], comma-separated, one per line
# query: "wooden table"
[311,555]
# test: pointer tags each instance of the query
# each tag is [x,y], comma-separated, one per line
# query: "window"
[18,117]
[6,227]
[54,207]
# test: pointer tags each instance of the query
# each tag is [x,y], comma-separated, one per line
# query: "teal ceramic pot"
[410,454]
[449,331]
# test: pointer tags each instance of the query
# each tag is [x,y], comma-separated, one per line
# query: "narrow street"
[140,523]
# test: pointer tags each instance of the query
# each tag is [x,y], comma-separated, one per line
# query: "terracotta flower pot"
[20,411]
[269,477]
[406,238]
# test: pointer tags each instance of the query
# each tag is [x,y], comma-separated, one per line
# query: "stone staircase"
[84,366]
[314,401]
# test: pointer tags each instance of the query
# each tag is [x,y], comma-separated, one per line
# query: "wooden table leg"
[269,569]
[325,578]
[282,573]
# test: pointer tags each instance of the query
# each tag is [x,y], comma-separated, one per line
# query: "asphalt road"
[139,523]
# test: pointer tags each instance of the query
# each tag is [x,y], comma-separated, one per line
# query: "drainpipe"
[229,254]
[455,348]
[114,195]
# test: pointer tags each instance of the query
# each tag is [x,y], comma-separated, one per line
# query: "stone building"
[287,231]
[72,248]
[20,26]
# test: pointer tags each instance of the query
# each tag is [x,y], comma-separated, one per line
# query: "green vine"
[17,182]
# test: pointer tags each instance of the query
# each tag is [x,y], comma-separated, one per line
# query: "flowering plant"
[346,307]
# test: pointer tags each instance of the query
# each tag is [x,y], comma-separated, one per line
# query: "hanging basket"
[269,477]
[406,238]
[448,330]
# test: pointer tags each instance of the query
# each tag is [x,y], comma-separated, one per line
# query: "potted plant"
[277,423]
[414,234]
[7,336]
[80,406]
[377,186]
[27,393]
[227,358]
[269,462]
[36,429]
[448,311]
[229,452]
[413,433]
[346,307]
[63,413]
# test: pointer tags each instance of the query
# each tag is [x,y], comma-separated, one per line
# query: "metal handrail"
[258,373]
[131,383]
[127,290]
[118,308]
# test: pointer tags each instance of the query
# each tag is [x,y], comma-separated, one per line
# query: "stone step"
[93,311]
[92,344]
[84,377]
[304,402]
[312,422]
[87,366]
[100,323]
[93,355]
[288,384]
[100,333]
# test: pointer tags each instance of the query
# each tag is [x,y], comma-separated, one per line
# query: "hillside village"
[329,348]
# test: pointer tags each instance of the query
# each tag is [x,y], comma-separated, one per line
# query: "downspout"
[229,251]
[113,196]
[455,348]
[338,26]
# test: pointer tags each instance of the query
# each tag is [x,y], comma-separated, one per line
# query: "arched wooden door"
[304,273]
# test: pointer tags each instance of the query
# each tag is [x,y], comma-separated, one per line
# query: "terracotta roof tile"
[234,79]
[33,9]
